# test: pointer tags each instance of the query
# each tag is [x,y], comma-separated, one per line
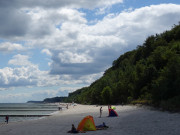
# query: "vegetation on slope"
[149,74]
[54,99]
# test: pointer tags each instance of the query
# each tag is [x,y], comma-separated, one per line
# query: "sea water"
[26,111]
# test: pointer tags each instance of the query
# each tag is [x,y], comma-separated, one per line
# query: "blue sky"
[49,49]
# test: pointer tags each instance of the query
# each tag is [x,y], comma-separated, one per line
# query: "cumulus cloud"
[106,40]
[78,48]
[16,77]
[70,57]
[9,47]
[20,60]
[27,74]
[26,15]
[79,52]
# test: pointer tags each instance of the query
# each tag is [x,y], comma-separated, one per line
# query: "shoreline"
[131,120]
[27,111]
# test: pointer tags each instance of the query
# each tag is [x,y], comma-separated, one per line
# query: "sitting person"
[73,130]
[102,126]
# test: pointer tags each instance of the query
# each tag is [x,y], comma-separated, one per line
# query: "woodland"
[149,75]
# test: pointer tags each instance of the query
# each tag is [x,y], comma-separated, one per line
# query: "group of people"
[99,127]
[109,107]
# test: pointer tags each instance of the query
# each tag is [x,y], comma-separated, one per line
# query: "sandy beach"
[132,120]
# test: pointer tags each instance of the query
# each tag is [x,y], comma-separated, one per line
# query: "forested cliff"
[149,74]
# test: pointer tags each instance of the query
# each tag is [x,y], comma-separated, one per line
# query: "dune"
[132,120]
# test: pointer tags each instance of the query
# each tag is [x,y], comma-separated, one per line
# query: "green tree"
[106,95]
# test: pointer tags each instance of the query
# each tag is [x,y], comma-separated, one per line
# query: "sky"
[49,48]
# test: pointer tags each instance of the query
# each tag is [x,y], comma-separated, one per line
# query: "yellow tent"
[87,124]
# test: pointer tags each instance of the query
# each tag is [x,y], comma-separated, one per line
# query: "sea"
[26,111]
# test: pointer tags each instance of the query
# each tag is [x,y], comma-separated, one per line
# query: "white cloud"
[20,60]
[47,52]
[28,74]
[72,15]
[70,57]
[38,16]
[107,39]
[79,52]
[9,47]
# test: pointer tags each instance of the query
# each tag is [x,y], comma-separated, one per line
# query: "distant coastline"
[35,101]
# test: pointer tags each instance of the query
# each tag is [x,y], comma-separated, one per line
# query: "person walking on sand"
[100,112]
[7,118]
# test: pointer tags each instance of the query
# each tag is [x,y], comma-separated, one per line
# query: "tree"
[106,95]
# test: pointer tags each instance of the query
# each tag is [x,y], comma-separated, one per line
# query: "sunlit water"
[25,111]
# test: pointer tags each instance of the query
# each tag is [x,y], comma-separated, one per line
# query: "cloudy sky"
[51,47]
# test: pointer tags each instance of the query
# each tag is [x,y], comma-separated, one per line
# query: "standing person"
[100,112]
[7,118]
[109,108]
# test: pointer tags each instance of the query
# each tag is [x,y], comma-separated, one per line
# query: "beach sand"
[132,120]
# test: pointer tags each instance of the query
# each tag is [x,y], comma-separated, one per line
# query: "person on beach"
[100,112]
[7,118]
[73,129]
[60,108]
[102,126]
[109,107]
